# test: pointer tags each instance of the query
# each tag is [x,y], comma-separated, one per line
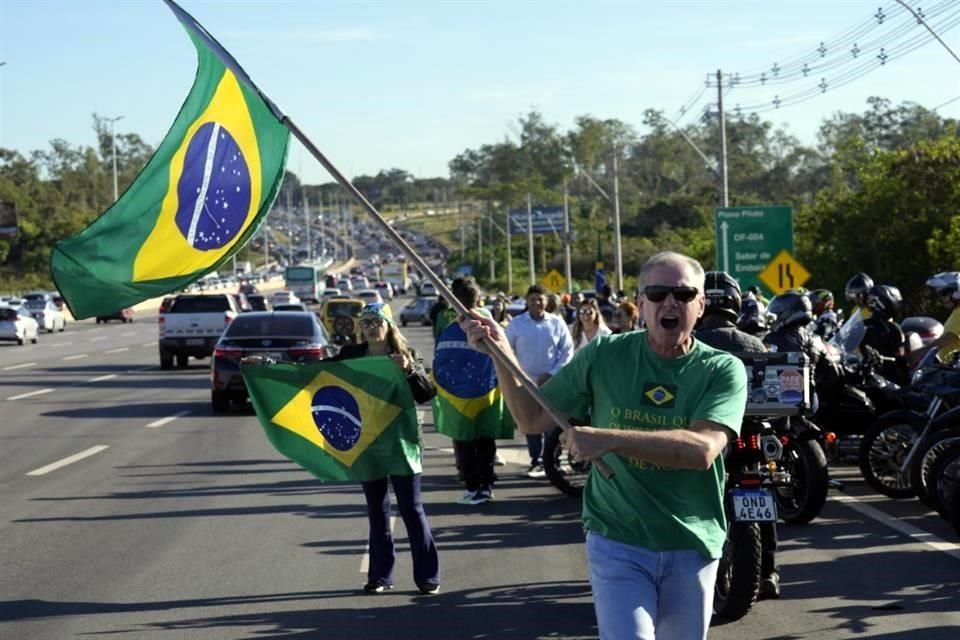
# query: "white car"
[284,297]
[369,296]
[17,324]
[385,289]
[330,292]
[47,314]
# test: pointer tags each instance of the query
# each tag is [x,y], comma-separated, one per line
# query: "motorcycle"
[753,472]
[562,469]
[893,450]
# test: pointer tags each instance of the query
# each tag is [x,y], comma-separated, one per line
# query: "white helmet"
[945,281]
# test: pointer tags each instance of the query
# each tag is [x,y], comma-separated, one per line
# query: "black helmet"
[790,309]
[857,288]
[885,300]
[822,300]
[722,294]
[751,318]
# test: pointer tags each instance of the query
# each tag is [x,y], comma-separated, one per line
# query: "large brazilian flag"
[349,420]
[199,199]
[468,403]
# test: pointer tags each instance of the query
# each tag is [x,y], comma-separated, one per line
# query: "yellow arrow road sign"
[783,273]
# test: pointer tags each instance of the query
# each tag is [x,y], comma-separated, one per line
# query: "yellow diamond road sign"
[783,273]
[554,281]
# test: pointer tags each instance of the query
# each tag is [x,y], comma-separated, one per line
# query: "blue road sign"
[546,219]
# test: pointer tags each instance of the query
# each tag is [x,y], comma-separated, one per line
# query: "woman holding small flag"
[382,338]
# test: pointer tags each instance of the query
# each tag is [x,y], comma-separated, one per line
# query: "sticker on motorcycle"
[791,387]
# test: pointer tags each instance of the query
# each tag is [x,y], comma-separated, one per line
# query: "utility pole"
[113,138]
[617,244]
[289,231]
[323,225]
[479,242]
[531,259]
[306,218]
[493,268]
[266,245]
[724,191]
[509,257]
[566,237]
[463,237]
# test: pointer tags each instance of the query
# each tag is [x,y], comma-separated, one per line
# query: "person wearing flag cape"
[468,406]
[382,338]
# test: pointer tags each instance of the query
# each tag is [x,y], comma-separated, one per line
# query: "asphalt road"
[129,510]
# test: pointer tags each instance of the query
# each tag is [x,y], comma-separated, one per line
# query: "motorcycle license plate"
[754,505]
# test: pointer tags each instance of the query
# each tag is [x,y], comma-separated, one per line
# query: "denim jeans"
[535,448]
[426,560]
[641,594]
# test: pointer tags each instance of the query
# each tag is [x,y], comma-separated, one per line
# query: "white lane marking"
[76,357]
[55,344]
[69,460]
[128,334]
[916,534]
[167,420]
[38,392]
[98,338]
[365,560]
[149,344]
[102,378]
[120,350]
[19,366]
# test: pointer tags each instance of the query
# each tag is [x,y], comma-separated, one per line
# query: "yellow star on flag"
[298,416]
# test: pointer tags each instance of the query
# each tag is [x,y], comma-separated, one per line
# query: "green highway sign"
[749,238]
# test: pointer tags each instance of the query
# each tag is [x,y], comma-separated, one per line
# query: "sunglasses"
[659,293]
[585,312]
[368,323]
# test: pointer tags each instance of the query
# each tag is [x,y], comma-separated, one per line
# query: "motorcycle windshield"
[848,338]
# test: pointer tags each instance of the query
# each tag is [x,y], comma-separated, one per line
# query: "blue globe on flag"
[337,416]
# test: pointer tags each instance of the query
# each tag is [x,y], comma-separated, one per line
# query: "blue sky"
[411,84]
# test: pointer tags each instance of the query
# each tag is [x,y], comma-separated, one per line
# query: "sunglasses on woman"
[368,323]
[585,311]
[659,293]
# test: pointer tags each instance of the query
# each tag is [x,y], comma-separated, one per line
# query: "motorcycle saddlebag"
[778,384]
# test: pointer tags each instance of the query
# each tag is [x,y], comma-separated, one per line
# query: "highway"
[129,510]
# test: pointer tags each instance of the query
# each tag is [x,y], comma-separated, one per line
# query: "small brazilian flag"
[350,420]
[197,202]
[468,403]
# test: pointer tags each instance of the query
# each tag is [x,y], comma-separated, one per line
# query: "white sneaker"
[498,461]
[468,497]
[536,471]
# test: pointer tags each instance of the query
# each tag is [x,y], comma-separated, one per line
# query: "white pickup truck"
[192,325]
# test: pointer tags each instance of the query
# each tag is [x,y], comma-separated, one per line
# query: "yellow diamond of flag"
[336,416]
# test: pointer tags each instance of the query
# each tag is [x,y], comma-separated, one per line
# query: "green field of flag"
[198,200]
[351,420]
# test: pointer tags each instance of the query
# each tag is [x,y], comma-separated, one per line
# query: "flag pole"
[495,352]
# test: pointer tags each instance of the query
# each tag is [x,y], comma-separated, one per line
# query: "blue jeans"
[641,594]
[535,448]
[426,560]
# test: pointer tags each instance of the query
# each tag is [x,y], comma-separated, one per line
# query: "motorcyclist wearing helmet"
[718,328]
[752,318]
[946,286]
[788,332]
[826,321]
[884,334]
[856,290]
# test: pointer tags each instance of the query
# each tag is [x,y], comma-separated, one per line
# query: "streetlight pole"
[113,138]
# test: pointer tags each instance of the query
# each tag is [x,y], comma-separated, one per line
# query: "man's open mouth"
[669,322]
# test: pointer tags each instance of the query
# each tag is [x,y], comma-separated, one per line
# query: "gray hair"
[672,258]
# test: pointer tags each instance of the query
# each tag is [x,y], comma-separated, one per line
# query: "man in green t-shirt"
[662,407]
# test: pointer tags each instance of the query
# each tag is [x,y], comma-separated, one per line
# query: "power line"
[940,106]
[934,33]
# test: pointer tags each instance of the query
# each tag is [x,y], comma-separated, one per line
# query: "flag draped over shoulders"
[349,420]
[468,403]
[197,202]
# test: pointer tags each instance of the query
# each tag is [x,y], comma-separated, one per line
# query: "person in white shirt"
[542,344]
[589,324]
